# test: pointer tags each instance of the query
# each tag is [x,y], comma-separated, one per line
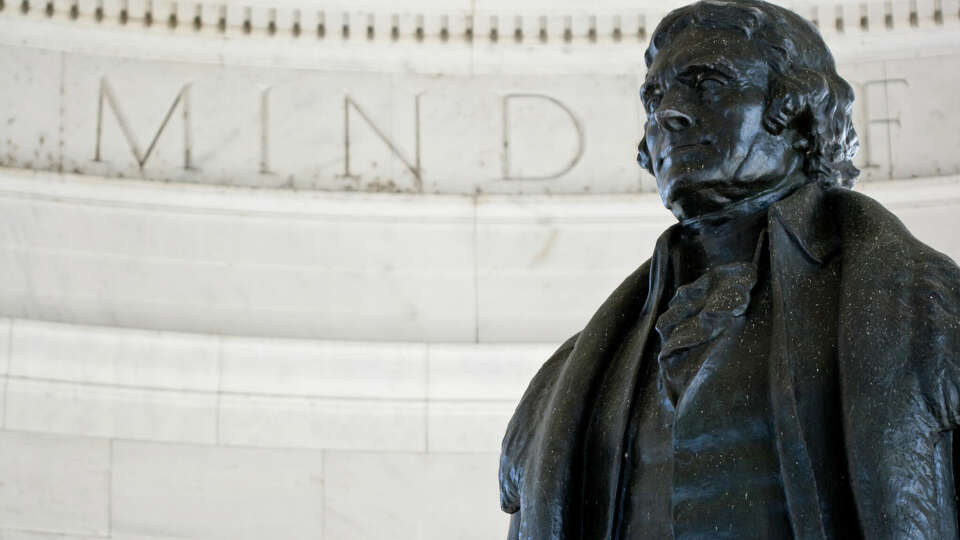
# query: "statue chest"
[702,458]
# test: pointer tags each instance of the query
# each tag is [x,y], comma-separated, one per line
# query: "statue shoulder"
[900,305]
[525,430]
[876,239]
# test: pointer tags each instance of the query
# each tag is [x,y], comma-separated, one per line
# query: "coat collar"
[805,216]
[808,221]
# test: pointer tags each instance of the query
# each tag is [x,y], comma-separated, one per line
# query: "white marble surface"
[53,483]
[325,266]
[348,424]
[152,257]
[75,488]
[111,411]
[543,256]
[121,358]
[371,496]
[542,130]
[461,128]
[5,327]
[30,140]
[283,393]
[33,535]
[460,371]
[324,369]
[467,426]
[270,393]
[923,139]
[213,493]
[473,392]
[112,383]
[172,357]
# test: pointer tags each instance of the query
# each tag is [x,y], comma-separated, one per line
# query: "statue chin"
[689,200]
[693,204]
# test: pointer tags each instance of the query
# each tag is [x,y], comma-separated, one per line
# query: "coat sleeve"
[899,370]
[541,437]
[514,533]
[520,433]
[936,323]
[900,310]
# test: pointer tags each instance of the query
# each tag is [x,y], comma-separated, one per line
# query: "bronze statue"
[786,363]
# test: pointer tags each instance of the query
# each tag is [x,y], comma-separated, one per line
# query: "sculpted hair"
[805,92]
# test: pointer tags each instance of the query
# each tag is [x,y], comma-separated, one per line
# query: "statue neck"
[730,235]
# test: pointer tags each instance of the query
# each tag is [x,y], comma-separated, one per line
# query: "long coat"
[865,379]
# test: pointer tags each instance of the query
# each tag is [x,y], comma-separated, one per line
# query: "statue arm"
[914,337]
[899,371]
[521,433]
[514,533]
[899,318]
[939,319]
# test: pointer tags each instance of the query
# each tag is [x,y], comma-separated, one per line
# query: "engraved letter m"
[107,94]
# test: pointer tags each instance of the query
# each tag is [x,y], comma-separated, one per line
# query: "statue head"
[742,98]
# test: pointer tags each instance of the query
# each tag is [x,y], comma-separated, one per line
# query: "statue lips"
[672,150]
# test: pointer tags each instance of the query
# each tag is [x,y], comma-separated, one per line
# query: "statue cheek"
[763,156]
[650,133]
[746,129]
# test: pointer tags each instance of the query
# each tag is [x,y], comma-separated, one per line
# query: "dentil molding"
[853,28]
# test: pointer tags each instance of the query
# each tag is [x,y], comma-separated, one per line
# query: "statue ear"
[792,96]
[816,106]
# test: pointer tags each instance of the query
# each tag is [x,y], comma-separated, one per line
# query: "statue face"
[705,96]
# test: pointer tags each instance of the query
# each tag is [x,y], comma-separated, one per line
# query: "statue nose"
[674,120]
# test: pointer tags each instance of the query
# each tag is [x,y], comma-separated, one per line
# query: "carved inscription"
[866,139]
[108,96]
[578,127]
[265,130]
[413,165]
[499,140]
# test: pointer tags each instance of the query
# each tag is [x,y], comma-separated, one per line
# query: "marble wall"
[366,267]
[279,270]
[123,434]
[533,113]
[415,133]
[140,433]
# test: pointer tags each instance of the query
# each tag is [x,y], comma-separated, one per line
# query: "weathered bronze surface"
[786,363]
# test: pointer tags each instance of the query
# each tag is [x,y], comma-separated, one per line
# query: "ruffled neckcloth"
[704,309]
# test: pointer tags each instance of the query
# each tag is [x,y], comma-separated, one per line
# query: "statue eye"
[652,103]
[651,96]
[708,82]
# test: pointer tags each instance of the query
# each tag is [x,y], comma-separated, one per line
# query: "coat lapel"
[607,430]
[555,501]
[804,389]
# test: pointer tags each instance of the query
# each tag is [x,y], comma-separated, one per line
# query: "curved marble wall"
[219,437]
[264,393]
[366,267]
[214,326]
[135,433]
